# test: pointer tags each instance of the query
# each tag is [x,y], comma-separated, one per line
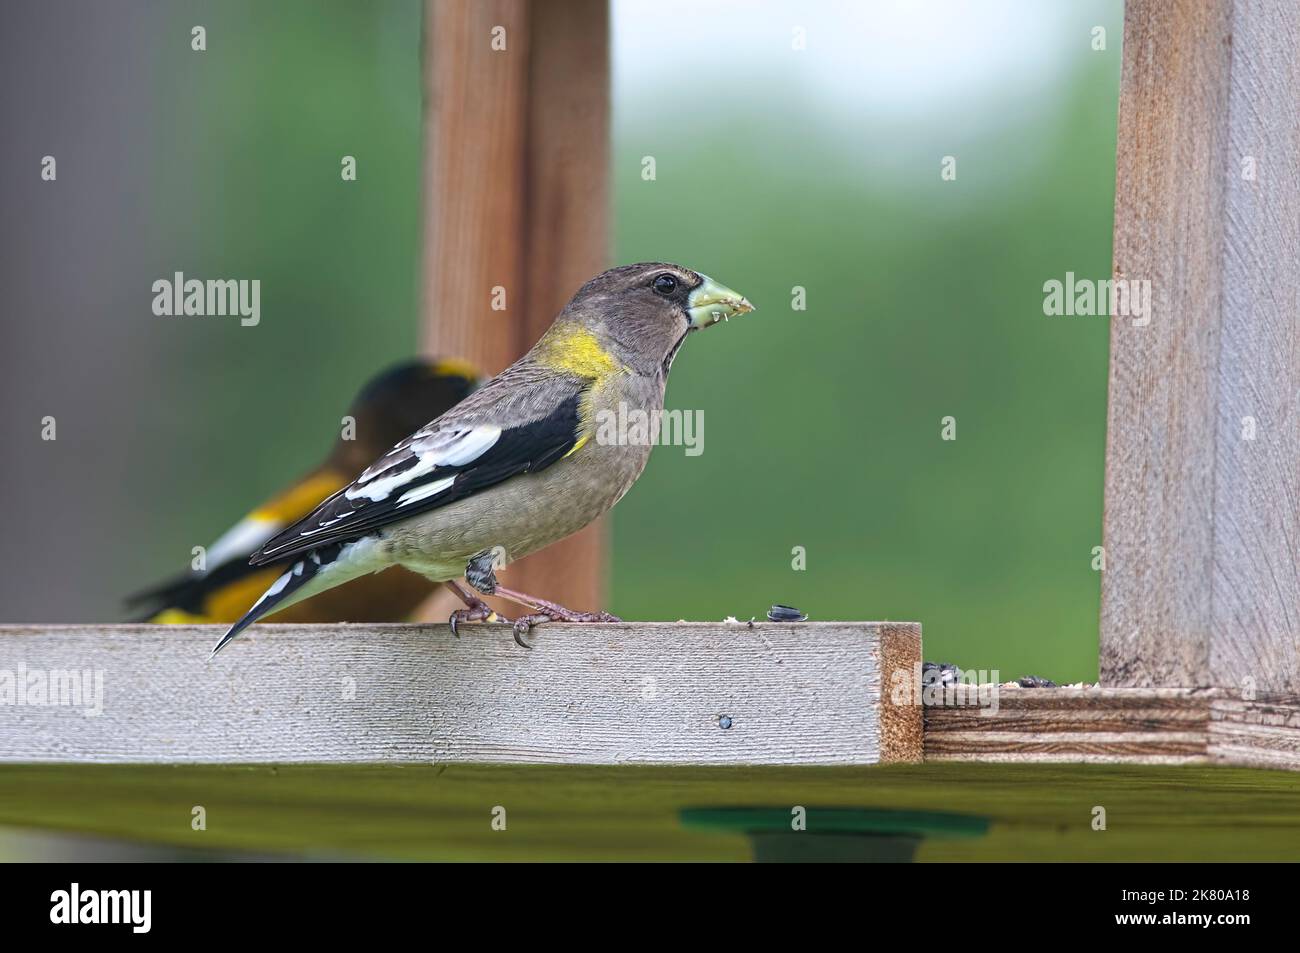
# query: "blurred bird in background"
[514,467]
[392,405]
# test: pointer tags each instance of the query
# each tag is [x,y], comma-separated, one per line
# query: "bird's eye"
[665,284]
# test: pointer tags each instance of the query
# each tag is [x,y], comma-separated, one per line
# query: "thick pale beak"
[711,302]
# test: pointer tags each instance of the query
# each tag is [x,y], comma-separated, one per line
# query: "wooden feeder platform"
[695,741]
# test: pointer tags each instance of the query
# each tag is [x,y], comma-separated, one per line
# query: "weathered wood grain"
[1256,596]
[1148,726]
[647,693]
[1201,586]
[516,196]
[1117,725]
[1261,732]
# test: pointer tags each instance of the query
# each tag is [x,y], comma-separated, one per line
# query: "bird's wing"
[492,437]
[249,534]
[227,558]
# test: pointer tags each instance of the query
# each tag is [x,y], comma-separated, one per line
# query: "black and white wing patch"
[437,465]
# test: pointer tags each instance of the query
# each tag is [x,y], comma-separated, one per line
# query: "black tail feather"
[293,579]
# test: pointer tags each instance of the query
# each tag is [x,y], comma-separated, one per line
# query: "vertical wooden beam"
[1257,482]
[476,135]
[1171,149]
[516,195]
[1202,521]
[567,228]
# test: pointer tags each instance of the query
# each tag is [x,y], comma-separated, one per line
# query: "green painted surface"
[838,820]
[1035,812]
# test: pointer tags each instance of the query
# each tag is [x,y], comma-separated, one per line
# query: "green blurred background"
[776,168]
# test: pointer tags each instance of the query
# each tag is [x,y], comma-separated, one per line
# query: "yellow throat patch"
[575,350]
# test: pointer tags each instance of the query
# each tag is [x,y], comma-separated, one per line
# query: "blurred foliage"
[255,129]
[924,299]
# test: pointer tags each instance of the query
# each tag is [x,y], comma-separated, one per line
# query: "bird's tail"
[175,591]
[187,594]
[315,572]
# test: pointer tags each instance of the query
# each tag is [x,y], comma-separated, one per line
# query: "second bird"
[388,408]
[515,466]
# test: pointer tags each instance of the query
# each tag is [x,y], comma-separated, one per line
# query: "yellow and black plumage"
[390,406]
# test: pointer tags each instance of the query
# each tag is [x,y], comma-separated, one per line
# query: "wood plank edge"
[902,717]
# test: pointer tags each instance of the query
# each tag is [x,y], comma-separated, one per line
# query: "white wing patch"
[443,448]
[380,489]
[458,447]
[424,492]
[241,540]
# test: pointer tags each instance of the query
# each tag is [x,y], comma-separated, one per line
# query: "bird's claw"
[524,623]
[554,613]
[585,617]
[478,612]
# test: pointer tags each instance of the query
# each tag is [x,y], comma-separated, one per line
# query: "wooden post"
[1202,525]
[516,198]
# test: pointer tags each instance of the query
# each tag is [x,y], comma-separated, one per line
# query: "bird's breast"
[527,512]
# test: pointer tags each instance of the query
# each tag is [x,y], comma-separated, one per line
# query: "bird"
[392,404]
[522,462]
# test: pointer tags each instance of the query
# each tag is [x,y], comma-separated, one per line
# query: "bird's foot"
[478,611]
[555,613]
[524,624]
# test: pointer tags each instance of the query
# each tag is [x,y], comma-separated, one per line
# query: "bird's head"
[644,312]
[399,401]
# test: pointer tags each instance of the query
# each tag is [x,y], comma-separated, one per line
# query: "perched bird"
[389,407]
[520,463]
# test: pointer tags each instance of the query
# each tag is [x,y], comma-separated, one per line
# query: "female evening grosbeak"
[513,467]
[388,408]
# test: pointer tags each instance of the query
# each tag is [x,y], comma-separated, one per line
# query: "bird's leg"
[546,611]
[478,611]
[480,572]
[556,611]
